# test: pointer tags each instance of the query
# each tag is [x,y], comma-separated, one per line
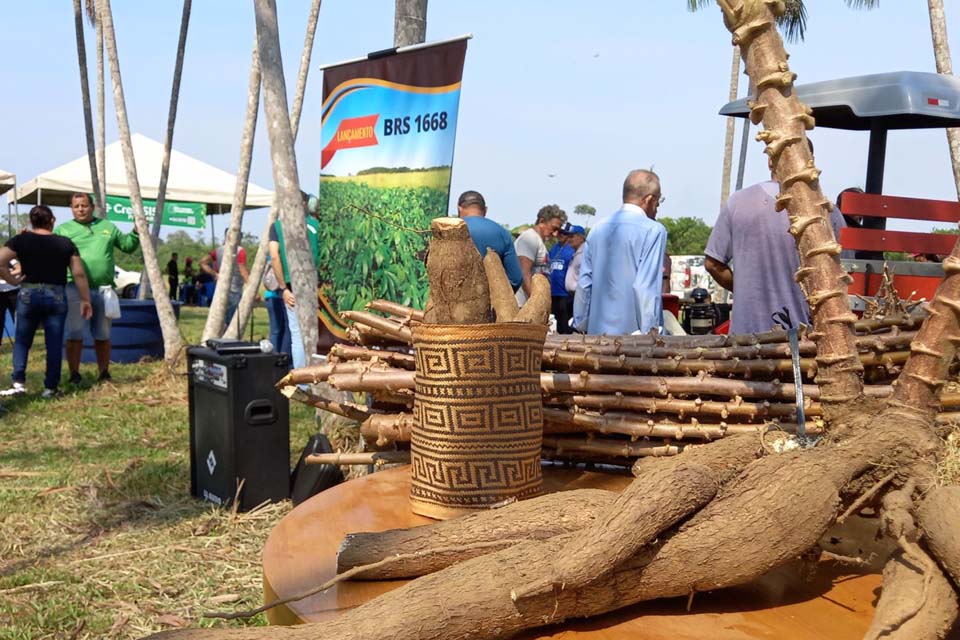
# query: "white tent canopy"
[7,181]
[190,180]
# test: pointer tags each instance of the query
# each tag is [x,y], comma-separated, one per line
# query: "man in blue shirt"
[620,279]
[559,258]
[472,208]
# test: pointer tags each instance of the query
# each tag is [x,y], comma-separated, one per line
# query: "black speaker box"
[239,425]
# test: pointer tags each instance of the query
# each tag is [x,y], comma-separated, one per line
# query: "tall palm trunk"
[941,53]
[101,111]
[303,274]
[785,122]
[239,322]
[409,22]
[87,110]
[172,341]
[221,296]
[168,140]
[731,128]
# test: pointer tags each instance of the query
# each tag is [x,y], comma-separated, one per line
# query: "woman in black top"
[44,260]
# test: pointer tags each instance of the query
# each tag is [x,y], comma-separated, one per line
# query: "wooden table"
[301,553]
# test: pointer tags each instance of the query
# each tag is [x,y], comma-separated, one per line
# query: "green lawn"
[99,537]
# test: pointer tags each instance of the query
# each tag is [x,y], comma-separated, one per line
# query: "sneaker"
[49,394]
[17,389]
[105,376]
[75,378]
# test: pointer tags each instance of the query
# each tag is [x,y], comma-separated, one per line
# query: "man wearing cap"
[619,288]
[472,209]
[560,257]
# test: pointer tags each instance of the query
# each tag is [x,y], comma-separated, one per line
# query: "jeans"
[40,306]
[279,333]
[297,354]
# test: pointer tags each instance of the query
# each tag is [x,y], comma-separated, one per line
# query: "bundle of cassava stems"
[614,399]
[728,512]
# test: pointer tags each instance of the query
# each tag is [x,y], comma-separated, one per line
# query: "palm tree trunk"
[941,53]
[221,296]
[303,273]
[409,22]
[101,113]
[731,128]
[236,326]
[785,121]
[172,341]
[168,140]
[87,110]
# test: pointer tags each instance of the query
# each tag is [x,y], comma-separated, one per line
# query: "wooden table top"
[301,553]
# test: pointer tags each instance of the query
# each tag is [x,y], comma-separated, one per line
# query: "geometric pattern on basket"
[475,474]
[517,416]
[478,414]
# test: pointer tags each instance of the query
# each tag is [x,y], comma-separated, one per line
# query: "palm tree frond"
[696,5]
[862,4]
[793,22]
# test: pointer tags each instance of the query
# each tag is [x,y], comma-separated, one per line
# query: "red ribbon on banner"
[352,133]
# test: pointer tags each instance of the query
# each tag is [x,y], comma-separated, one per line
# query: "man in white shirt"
[531,251]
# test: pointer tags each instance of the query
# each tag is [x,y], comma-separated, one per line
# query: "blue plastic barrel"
[136,333]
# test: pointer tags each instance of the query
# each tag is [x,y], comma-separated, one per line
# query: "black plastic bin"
[239,424]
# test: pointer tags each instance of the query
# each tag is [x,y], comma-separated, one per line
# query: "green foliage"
[364,257]
[181,243]
[585,210]
[686,236]
[952,231]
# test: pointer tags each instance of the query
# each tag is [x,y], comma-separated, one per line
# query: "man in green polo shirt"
[96,239]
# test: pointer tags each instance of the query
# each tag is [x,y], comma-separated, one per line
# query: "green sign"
[175,214]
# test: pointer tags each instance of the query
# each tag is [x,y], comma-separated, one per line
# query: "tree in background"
[172,340]
[85,96]
[585,210]
[409,22]
[252,288]
[303,274]
[168,139]
[218,308]
[686,236]
[941,54]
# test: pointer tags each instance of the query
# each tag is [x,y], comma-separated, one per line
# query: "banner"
[175,214]
[386,151]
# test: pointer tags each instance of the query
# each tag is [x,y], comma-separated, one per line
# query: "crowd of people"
[60,277]
[613,280]
[609,283]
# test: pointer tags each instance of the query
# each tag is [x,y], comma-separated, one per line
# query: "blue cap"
[575,229]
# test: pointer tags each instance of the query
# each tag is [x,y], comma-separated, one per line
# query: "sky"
[560,99]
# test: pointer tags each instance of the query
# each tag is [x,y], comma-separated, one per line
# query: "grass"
[99,537]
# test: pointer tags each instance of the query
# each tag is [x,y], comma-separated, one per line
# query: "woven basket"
[477,416]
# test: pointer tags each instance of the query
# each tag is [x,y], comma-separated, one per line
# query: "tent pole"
[39,196]
[213,233]
[16,203]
